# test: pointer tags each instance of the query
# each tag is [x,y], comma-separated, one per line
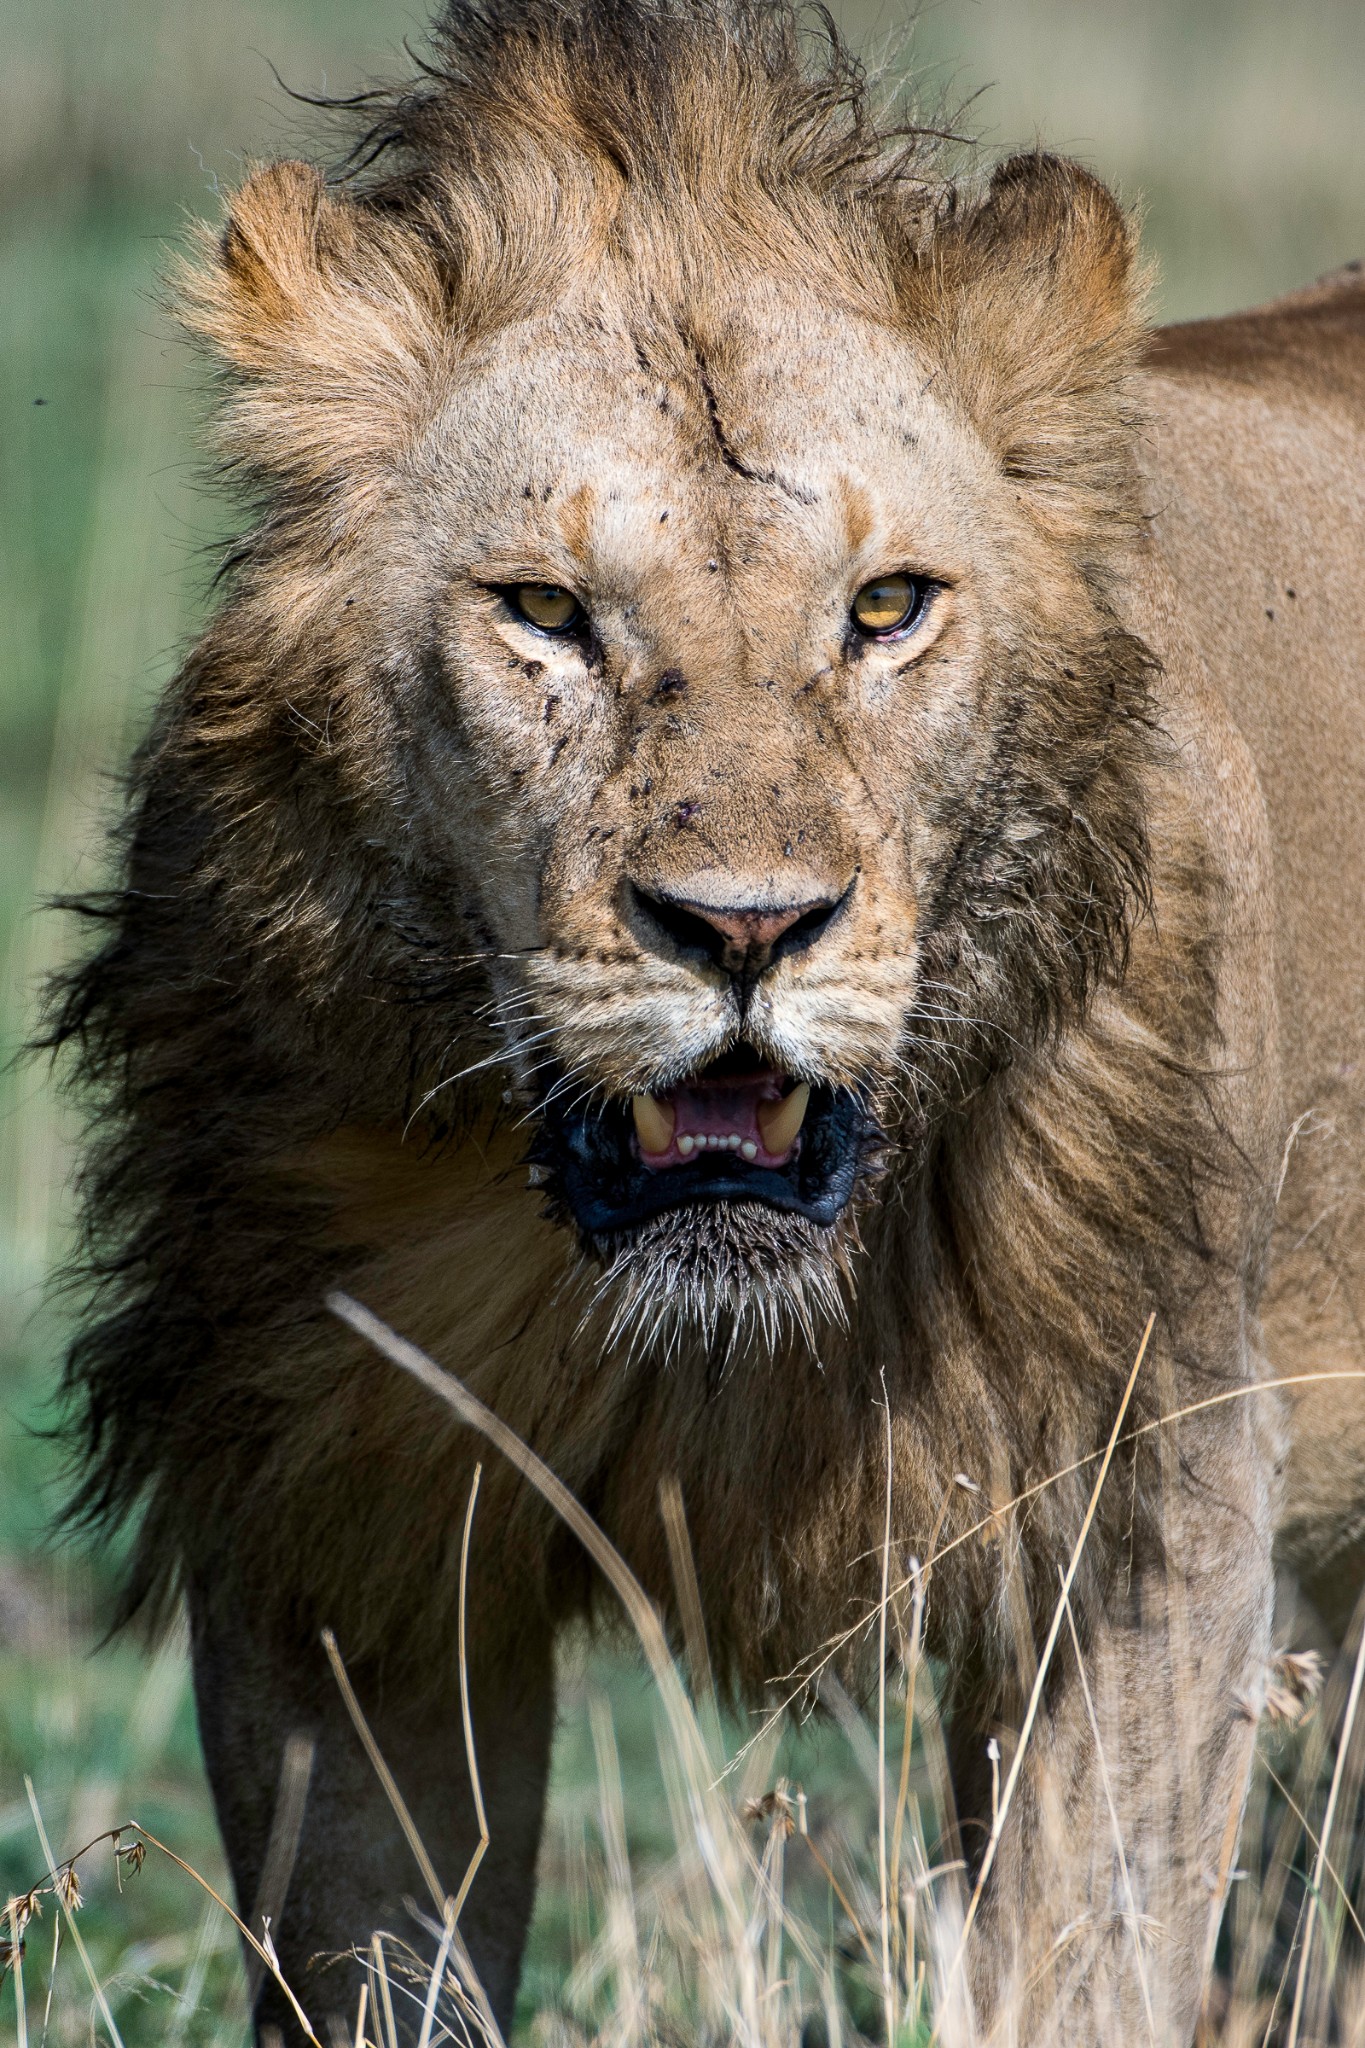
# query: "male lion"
[771,823]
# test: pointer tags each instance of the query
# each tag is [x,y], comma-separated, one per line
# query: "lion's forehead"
[620,439]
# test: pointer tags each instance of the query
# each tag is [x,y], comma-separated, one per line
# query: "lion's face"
[760,719]
[727,632]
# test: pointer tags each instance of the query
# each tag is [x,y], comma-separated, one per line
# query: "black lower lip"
[596,1169]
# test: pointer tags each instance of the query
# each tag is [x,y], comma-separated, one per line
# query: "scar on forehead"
[857,511]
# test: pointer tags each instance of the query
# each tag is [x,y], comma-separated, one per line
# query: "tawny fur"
[648,304]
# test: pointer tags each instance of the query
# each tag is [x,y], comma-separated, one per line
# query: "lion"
[763,855]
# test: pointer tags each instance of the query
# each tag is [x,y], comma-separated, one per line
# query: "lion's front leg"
[311,1835]
[1113,1859]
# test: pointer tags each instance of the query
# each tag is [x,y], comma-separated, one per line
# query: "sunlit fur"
[642,301]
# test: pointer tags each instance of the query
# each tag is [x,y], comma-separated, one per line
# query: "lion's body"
[409,884]
[1258,449]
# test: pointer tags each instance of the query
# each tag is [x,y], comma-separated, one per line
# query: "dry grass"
[756,1928]
[740,1961]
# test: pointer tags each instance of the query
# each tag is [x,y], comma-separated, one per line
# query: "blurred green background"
[1236,124]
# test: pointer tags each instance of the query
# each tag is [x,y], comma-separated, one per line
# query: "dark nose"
[741,938]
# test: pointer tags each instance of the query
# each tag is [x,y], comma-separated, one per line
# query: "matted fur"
[375,866]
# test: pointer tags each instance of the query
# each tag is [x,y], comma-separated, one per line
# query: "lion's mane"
[266,980]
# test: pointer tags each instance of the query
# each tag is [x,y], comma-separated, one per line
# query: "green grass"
[1238,127]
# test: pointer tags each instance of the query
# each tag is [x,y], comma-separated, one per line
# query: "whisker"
[493,1059]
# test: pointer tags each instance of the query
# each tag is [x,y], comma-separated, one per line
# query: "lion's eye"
[888,603]
[546,605]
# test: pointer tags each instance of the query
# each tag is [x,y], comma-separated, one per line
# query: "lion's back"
[1258,458]
[1258,473]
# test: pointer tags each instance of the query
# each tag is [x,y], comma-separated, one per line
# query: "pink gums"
[724,1108]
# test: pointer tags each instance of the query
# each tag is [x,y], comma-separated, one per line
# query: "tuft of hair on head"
[718,97]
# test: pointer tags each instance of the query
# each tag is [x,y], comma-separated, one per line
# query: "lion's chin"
[722,1278]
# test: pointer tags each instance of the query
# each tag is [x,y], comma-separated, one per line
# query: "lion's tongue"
[747,1117]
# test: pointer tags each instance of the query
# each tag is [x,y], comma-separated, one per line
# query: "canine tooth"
[748,1150]
[654,1122]
[685,1144]
[779,1122]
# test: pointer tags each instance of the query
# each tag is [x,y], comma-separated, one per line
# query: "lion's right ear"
[328,320]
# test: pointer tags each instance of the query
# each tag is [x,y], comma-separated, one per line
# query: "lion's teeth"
[654,1123]
[779,1122]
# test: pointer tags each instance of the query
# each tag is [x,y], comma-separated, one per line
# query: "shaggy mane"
[270,979]
[717,99]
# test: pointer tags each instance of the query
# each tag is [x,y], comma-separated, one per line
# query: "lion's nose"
[741,938]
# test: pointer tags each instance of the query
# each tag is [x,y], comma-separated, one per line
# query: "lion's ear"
[326,317]
[1034,299]
[273,270]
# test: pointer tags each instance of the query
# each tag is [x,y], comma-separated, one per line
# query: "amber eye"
[888,603]
[546,605]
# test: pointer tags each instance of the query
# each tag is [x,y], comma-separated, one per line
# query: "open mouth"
[737,1131]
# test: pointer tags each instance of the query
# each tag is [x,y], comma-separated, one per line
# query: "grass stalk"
[1315,1890]
[64,1907]
[466,1712]
[888,1985]
[16,1959]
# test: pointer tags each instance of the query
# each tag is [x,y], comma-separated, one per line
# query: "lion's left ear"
[1033,301]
